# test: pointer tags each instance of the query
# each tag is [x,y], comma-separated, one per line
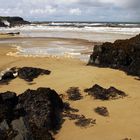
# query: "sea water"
[91,31]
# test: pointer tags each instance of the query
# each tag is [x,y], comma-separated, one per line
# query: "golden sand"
[124,118]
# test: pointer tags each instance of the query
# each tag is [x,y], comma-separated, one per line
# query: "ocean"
[61,31]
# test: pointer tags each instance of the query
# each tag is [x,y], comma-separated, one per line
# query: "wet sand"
[123,120]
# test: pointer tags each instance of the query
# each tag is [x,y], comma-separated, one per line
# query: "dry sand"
[124,119]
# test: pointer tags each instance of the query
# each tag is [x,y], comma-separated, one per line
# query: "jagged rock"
[4,125]
[74,93]
[12,21]
[8,75]
[29,73]
[102,111]
[8,101]
[99,92]
[35,114]
[122,54]
[22,128]
[42,106]
[26,73]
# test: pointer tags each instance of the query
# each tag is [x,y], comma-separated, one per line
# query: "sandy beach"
[123,121]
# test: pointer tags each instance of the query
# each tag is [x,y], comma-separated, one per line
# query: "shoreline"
[50,47]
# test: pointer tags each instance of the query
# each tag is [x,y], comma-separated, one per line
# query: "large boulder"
[33,115]
[122,54]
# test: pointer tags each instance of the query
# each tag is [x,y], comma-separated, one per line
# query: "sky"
[72,10]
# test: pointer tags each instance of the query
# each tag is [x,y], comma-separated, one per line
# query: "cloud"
[127,10]
[75,11]
[47,10]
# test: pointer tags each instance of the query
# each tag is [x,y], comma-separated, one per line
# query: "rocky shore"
[122,54]
[12,21]
[64,99]
[39,114]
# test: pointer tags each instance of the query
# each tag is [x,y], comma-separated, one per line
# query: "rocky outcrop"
[101,93]
[33,115]
[29,73]
[12,21]
[26,73]
[122,54]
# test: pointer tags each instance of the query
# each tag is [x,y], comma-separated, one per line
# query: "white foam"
[70,52]
[45,28]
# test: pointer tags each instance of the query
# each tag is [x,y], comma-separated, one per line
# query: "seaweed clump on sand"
[102,111]
[79,120]
[122,54]
[74,94]
[101,93]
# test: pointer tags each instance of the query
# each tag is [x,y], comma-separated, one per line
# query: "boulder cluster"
[122,54]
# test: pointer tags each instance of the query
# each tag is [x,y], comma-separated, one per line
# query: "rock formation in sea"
[122,54]
[33,115]
[12,21]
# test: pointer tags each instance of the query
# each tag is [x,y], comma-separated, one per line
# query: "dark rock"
[8,75]
[13,33]
[4,125]
[43,107]
[127,139]
[102,111]
[99,92]
[20,126]
[3,135]
[29,73]
[122,54]
[8,101]
[12,21]
[26,73]
[74,93]
[35,114]
[2,24]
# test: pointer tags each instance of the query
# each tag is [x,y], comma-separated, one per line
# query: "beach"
[123,120]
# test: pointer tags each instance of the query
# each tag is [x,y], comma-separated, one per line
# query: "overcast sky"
[76,10]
